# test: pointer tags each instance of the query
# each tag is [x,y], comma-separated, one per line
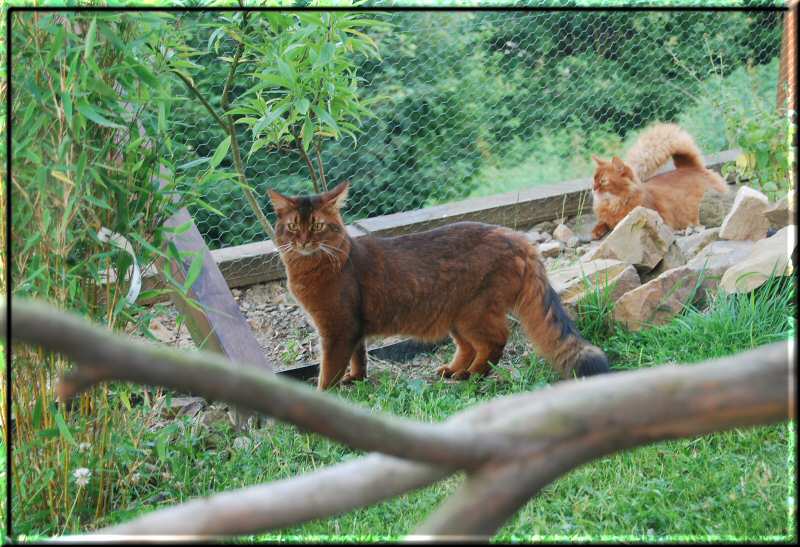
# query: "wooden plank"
[220,325]
[258,262]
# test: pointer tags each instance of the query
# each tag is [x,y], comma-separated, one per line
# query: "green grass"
[735,484]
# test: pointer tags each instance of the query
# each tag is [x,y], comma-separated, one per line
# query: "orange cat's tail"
[550,329]
[662,141]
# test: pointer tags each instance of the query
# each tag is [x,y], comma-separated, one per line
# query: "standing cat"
[618,185]
[459,279]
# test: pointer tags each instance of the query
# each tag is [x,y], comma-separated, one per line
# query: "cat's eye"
[292,227]
[317,227]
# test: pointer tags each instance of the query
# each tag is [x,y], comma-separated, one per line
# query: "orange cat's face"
[612,177]
[309,224]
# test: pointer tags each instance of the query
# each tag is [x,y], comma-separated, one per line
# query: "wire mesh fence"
[471,104]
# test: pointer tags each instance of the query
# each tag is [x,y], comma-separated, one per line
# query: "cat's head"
[309,224]
[614,177]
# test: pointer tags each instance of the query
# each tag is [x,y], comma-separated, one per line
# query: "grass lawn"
[737,484]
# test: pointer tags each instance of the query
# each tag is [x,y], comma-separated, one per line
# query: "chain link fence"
[480,103]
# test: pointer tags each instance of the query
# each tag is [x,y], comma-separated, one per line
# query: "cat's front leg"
[336,352]
[358,364]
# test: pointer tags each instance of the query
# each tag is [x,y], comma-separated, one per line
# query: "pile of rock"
[653,271]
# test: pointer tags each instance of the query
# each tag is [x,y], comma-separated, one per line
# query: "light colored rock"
[535,236]
[718,256]
[551,248]
[583,224]
[573,242]
[692,244]
[160,331]
[562,233]
[621,283]
[746,220]
[242,443]
[641,239]
[714,206]
[572,281]
[782,212]
[657,301]
[546,226]
[768,256]
[673,258]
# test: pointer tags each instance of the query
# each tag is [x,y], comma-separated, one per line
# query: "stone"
[657,301]
[718,256]
[768,256]
[782,213]
[673,258]
[714,206]
[582,226]
[572,281]
[621,283]
[546,226]
[550,248]
[535,236]
[746,219]
[160,331]
[573,242]
[186,406]
[690,245]
[562,233]
[641,238]
[242,443]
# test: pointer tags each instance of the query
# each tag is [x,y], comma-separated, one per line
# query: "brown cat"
[675,195]
[459,279]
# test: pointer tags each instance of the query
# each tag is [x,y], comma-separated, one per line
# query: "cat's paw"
[349,378]
[444,372]
[460,375]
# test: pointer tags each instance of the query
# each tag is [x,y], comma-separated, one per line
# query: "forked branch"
[511,446]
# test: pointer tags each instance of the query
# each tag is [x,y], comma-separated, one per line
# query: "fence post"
[786,70]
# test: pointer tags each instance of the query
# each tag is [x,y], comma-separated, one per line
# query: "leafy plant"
[89,137]
[305,81]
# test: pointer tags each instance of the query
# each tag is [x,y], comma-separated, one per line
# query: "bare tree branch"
[102,356]
[279,504]
[524,441]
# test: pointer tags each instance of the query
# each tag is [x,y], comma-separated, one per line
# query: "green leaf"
[326,118]
[90,38]
[87,110]
[66,102]
[268,119]
[190,164]
[194,272]
[220,152]
[302,105]
[307,133]
[62,426]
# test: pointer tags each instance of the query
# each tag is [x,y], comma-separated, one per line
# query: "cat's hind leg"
[465,353]
[358,364]
[488,337]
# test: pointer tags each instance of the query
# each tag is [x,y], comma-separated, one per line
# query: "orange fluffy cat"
[620,186]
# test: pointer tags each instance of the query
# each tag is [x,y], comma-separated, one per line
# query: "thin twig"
[321,170]
[310,166]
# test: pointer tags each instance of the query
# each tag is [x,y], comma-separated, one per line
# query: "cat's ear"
[280,203]
[335,198]
[598,161]
[618,164]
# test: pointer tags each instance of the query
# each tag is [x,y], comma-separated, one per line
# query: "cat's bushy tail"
[549,327]
[662,141]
